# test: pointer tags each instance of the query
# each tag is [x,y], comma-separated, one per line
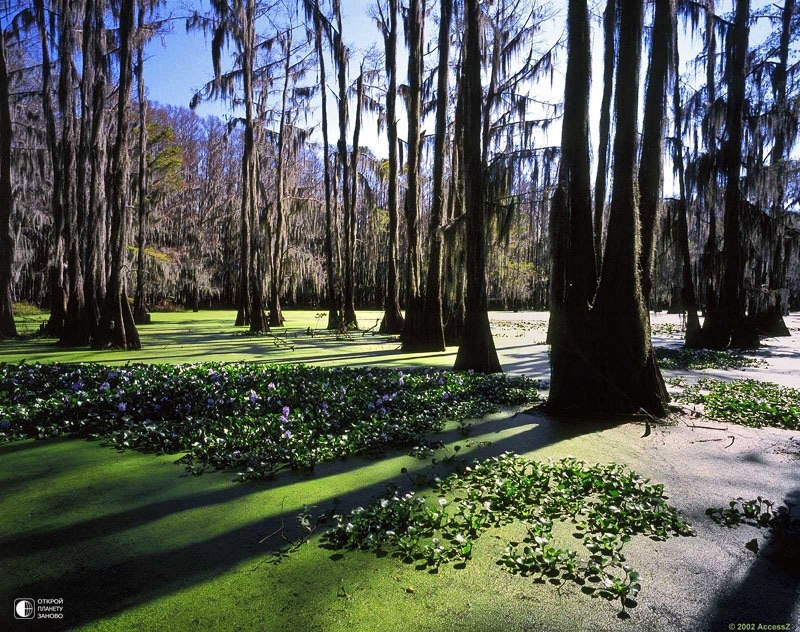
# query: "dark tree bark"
[431,331]
[727,325]
[56,280]
[74,331]
[415,24]
[630,379]
[601,357]
[655,119]
[259,322]
[8,328]
[117,329]
[392,322]
[573,275]
[477,351]
[609,56]
[95,215]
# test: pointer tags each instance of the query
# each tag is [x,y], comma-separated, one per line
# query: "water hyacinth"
[252,418]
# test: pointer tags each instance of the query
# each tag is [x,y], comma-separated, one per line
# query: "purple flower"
[210,403]
[122,407]
[77,385]
[445,395]
[105,386]
[253,397]
[271,386]
[285,411]
[287,434]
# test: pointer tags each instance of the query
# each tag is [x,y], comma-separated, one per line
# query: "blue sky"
[179,63]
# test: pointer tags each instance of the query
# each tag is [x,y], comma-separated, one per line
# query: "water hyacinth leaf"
[253,419]
[566,491]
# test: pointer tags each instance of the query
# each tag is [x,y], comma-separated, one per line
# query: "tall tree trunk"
[259,322]
[392,322]
[688,295]
[432,325]
[341,58]
[276,318]
[727,325]
[117,328]
[609,56]
[8,328]
[708,187]
[334,317]
[56,282]
[74,332]
[141,314]
[771,321]
[655,110]
[573,274]
[416,20]
[84,157]
[350,319]
[631,380]
[602,359]
[95,281]
[477,351]
[453,309]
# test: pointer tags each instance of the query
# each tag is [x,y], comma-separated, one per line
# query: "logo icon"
[24,609]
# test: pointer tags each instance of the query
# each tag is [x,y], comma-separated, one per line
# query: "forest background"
[113,204]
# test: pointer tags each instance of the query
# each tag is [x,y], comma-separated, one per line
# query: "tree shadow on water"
[769,593]
[123,573]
